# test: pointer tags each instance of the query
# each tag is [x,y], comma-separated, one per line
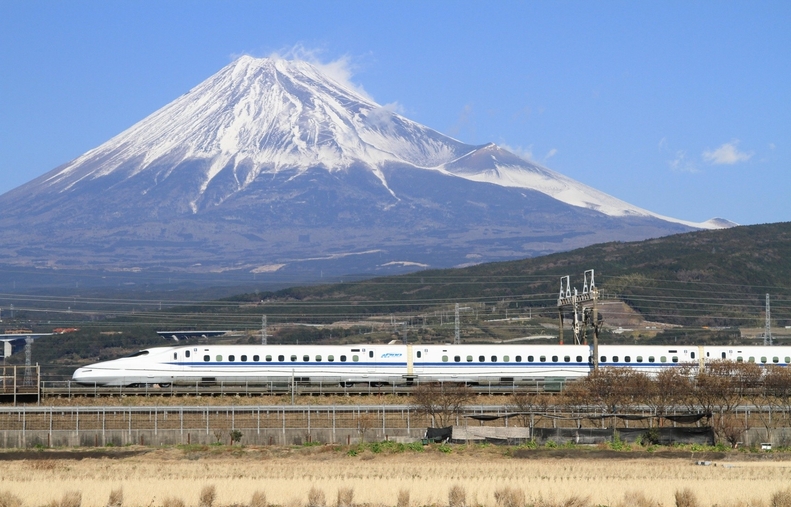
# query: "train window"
[370,353]
[219,357]
[419,354]
[306,358]
[614,359]
[567,359]
[751,359]
[293,358]
[763,359]
[639,359]
[231,358]
[318,358]
[355,358]
[187,353]
[506,359]
[268,357]
[675,359]
[330,358]
[481,359]
[457,359]
[256,358]
[723,355]
[627,359]
[775,359]
[651,359]
[554,359]
[518,359]
[579,359]
[739,359]
[603,359]
[663,359]
[543,359]
[494,359]
[469,359]
[244,358]
[444,359]
[529,359]
[206,358]
[788,360]
[692,355]
[175,355]
[343,359]
[355,350]
[281,358]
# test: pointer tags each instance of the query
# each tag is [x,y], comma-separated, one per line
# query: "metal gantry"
[583,307]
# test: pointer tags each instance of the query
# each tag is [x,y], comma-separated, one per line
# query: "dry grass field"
[328,476]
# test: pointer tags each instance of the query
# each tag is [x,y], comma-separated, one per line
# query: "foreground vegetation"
[321,476]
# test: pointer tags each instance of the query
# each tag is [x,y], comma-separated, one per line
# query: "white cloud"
[727,154]
[682,164]
[340,70]
[382,116]
[551,153]
[525,153]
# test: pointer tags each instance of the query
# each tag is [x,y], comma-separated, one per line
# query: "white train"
[400,364]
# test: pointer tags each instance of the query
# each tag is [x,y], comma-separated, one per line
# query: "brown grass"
[258,499]
[781,498]
[509,497]
[403,498]
[9,500]
[457,497]
[116,498]
[686,498]
[316,498]
[208,495]
[173,502]
[488,476]
[345,497]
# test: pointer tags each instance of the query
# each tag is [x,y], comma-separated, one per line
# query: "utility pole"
[263,330]
[584,314]
[768,325]
[457,333]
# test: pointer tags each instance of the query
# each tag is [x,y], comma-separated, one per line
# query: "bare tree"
[442,402]
[668,390]
[720,389]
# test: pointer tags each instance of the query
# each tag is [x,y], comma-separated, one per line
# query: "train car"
[401,364]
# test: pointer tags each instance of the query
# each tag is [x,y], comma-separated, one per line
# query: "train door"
[370,360]
[420,357]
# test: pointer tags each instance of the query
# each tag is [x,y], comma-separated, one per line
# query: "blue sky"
[682,108]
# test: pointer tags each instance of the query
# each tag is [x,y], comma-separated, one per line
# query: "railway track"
[67,389]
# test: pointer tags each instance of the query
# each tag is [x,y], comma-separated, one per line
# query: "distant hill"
[709,278]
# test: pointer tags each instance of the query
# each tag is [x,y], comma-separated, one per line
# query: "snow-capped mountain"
[271,162]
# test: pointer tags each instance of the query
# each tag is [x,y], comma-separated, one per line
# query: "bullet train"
[401,364]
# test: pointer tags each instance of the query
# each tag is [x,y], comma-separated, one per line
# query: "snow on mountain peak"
[264,115]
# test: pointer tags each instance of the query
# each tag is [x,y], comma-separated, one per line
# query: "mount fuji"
[271,165]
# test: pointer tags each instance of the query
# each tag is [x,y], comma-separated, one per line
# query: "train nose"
[82,375]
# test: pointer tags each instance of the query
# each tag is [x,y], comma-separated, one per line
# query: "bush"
[457,497]
[173,502]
